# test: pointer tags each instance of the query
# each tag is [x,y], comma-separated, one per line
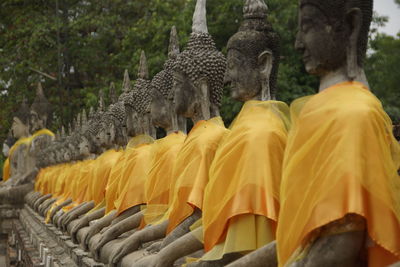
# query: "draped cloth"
[101,172]
[160,178]
[136,171]
[22,141]
[241,199]
[114,180]
[191,169]
[6,169]
[341,158]
[78,188]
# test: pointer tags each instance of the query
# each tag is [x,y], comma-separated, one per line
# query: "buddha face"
[242,75]
[106,136]
[161,110]
[132,118]
[186,99]
[84,147]
[18,128]
[322,44]
[37,122]
[60,155]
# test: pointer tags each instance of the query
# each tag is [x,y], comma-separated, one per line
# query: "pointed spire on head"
[62,132]
[91,112]
[78,122]
[39,90]
[173,49]
[69,129]
[84,117]
[113,94]
[42,107]
[126,85]
[84,122]
[23,113]
[255,9]
[101,101]
[200,18]
[143,72]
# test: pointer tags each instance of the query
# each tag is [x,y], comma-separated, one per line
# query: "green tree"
[383,72]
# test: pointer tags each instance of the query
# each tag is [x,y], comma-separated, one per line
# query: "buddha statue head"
[253,56]
[41,112]
[73,146]
[137,103]
[333,36]
[162,108]
[112,127]
[85,147]
[20,123]
[86,135]
[198,72]
[126,97]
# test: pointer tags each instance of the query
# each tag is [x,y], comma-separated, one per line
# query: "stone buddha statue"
[20,174]
[335,213]
[20,131]
[197,87]
[40,118]
[136,107]
[41,112]
[111,136]
[163,115]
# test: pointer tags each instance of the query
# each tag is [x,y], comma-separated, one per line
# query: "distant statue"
[20,173]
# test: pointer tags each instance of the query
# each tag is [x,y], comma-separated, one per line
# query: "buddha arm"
[126,214]
[73,214]
[265,256]
[59,207]
[118,229]
[182,228]
[98,225]
[133,242]
[183,246]
[41,200]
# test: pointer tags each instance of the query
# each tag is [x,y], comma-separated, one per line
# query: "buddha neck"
[340,76]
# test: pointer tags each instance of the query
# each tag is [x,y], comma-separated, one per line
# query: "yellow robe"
[341,158]
[191,168]
[160,178]
[43,132]
[136,171]
[80,183]
[22,141]
[100,173]
[6,170]
[241,201]
[114,180]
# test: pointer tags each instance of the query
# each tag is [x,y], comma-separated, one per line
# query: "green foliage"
[383,71]
[86,44]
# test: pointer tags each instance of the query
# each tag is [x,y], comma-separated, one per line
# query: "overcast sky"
[390,9]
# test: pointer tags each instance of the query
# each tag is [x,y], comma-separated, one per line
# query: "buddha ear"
[265,62]
[354,21]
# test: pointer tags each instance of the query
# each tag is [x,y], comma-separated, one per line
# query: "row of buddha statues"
[313,184]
